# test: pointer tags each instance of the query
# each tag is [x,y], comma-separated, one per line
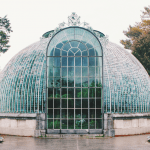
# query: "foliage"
[139,39]
[5,29]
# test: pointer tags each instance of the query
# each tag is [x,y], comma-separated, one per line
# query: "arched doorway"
[74,82]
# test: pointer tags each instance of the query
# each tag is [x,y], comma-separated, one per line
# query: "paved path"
[116,143]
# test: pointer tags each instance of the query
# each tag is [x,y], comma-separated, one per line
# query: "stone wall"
[131,124]
[22,124]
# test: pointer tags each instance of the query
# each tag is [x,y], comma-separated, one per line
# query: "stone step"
[74,136]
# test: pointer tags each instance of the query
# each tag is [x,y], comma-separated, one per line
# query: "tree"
[5,29]
[139,39]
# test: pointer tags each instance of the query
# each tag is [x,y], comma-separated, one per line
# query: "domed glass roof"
[126,84]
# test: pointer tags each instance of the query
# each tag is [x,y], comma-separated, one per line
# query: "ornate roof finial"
[74,20]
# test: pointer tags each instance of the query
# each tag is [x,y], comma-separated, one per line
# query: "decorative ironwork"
[74,20]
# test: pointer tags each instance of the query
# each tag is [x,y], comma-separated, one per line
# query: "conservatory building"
[74,81]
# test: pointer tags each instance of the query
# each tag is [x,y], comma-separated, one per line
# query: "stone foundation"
[22,124]
[131,124]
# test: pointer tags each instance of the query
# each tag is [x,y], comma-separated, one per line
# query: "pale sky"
[32,18]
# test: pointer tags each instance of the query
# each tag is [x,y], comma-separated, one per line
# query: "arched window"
[74,81]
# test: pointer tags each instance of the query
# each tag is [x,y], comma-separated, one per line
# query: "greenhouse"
[74,81]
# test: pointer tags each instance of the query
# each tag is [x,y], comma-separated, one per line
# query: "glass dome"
[126,84]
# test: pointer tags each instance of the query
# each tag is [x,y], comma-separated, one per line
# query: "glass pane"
[67,47]
[98,92]
[98,123]
[84,71]
[57,52]
[77,82]
[85,53]
[77,71]
[78,92]
[57,62]
[50,103]
[56,113]
[50,92]
[92,123]
[98,82]
[84,124]
[91,82]
[92,113]
[84,113]
[91,52]
[70,53]
[50,123]
[56,72]
[98,113]
[56,82]
[98,71]
[78,103]
[92,71]
[70,124]
[64,71]
[84,82]
[50,61]
[78,124]
[50,82]
[56,124]
[70,93]
[50,113]
[98,61]
[91,61]
[70,113]
[98,103]
[64,53]
[64,93]
[64,113]
[70,61]
[59,45]
[64,103]
[56,92]
[64,82]
[77,61]
[70,71]
[84,61]
[92,92]
[70,103]
[50,72]
[77,113]
[70,82]
[56,103]
[92,103]
[64,61]
[84,103]
[85,93]
[64,124]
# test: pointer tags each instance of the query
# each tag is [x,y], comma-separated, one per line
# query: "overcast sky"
[31,18]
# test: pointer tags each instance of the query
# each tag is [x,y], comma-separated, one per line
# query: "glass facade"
[74,80]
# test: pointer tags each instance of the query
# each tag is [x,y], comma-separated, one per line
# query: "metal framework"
[74,81]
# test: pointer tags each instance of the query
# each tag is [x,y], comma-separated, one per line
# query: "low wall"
[131,124]
[22,124]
